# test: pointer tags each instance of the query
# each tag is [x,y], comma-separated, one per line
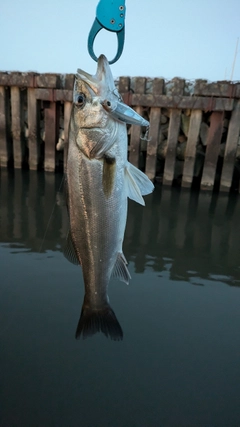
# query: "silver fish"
[99,180]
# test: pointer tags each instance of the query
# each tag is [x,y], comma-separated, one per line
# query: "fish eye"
[81,98]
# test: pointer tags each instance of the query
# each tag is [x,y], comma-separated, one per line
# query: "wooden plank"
[220,89]
[67,116]
[17,79]
[68,81]
[140,84]
[32,130]
[190,153]
[50,137]
[4,79]
[16,126]
[231,148]
[48,80]
[62,95]
[151,160]
[44,94]
[212,151]
[173,131]
[157,86]
[178,86]
[124,88]
[124,85]
[155,117]
[182,102]
[54,94]
[4,157]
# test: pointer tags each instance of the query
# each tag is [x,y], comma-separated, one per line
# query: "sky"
[163,38]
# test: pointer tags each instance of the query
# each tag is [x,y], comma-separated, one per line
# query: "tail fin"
[98,320]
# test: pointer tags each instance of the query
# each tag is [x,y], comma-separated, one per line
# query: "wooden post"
[3,129]
[140,84]
[124,88]
[190,153]
[173,131]
[155,117]
[32,130]
[50,137]
[16,127]
[231,148]
[67,116]
[212,151]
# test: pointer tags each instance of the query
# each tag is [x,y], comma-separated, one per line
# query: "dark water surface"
[179,362]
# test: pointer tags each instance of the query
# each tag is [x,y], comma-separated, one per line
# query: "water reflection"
[31,206]
[184,235]
[180,353]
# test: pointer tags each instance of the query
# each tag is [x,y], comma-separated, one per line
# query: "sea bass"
[99,179]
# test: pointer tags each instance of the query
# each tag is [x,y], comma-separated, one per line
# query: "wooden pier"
[194,127]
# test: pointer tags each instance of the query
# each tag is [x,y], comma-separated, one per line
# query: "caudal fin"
[99,320]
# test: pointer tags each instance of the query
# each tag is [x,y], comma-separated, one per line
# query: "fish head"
[89,91]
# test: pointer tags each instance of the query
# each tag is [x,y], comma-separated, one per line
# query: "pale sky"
[164,38]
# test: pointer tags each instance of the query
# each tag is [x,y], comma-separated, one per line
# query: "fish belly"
[97,221]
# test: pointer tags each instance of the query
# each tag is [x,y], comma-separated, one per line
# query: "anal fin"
[70,252]
[120,269]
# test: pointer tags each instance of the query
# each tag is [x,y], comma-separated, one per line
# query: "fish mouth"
[103,67]
[90,127]
[104,73]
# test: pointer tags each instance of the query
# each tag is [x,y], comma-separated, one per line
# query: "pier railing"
[193,137]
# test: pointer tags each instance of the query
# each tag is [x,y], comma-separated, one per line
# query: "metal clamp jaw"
[110,15]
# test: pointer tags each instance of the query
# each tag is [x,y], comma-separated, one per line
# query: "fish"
[99,181]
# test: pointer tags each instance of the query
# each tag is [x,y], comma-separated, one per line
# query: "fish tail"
[94,320]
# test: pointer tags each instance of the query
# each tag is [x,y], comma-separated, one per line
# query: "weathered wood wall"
[194,126]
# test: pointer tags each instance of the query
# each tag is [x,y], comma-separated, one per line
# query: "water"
[178,365]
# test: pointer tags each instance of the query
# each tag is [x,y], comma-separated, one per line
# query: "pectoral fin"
[143,182]
[70,252]
[109,173]
[120,269]
[133,191]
